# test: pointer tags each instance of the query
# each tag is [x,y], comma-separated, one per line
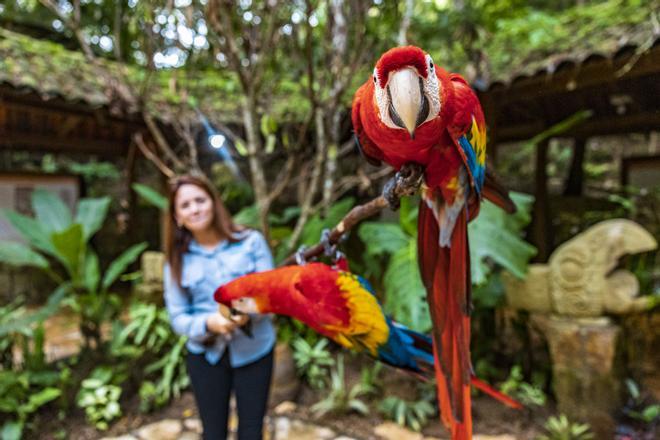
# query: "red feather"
[399,57]
[445,269]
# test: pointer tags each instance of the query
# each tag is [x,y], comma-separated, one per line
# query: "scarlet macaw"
[412,111]
[341,306]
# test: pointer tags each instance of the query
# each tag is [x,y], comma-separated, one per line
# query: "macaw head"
[246,294]
[407,90]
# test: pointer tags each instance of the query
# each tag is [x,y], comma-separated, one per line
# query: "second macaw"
[341,306]
[411,111]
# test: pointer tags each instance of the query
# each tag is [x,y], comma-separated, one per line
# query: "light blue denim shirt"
[203,271]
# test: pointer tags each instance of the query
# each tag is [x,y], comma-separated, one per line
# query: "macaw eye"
[375,80]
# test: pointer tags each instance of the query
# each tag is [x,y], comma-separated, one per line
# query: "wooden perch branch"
[404,185]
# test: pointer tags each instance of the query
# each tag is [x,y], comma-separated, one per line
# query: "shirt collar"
[196,248]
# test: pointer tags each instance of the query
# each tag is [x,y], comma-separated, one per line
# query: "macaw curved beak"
[409,107]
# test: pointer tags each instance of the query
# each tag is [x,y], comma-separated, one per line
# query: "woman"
[205,250]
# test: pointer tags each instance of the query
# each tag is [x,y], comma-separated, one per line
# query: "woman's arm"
[178,307]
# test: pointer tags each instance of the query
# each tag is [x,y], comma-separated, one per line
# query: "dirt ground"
[490,417]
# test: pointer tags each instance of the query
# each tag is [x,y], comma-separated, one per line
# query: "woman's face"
[193,208]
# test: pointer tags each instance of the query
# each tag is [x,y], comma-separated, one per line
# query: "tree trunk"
[254,159]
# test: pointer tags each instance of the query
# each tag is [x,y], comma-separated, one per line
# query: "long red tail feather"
[492,392]
[445,275]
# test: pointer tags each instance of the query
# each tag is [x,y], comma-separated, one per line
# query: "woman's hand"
[240,320]
[216,323]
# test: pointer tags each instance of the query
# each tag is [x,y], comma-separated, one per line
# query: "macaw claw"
[404,183]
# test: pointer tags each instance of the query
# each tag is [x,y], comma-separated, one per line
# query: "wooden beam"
[42,142]
[595,126]
[591,75]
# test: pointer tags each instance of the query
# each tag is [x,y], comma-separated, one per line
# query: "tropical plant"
[99,397]
[29,384]
[413,414]
[147,338]
[561,428]
[312,362]
[370,378]
[637,408]
[340,399]
[526,393]
[495,240]
[151,196]
[55,233]
[21,395]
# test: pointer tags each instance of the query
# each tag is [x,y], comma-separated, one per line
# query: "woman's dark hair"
[178,238]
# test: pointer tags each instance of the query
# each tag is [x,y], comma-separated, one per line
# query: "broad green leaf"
[119,265]
[50,210]
[91,214]
[33,231]
[248,217]
[70,247]
[18,254]
[382,238]
[51,306]
[41,398]
[92,272]
[311,233]
[408,214]
[405,296]
[150,196]
[11,430]
[494,237]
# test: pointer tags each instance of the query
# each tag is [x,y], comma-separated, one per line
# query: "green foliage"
[24,390]
[637,408]
[58,234]
[495,237]
[370,378]
[151,196]
[312,361]
[289,329]
[560,428]
[528,394]
[100,398]
[147,340]
[495,241]
[411,414]
[340,399]
[21,395]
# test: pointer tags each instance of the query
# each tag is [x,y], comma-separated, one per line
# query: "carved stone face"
[581,279]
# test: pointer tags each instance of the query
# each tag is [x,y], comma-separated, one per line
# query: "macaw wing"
[468,130]
[367,148]
[366,327]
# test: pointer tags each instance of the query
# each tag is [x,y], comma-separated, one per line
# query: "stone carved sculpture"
[567,300]
[578,279]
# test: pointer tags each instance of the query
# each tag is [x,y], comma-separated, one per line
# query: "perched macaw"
[341,306]
[412,111]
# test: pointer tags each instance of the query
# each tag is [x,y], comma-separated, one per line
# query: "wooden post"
[540,220]
[575,180]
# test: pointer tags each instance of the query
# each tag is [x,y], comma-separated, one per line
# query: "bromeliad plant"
[54,235]
[312,361]
[340,398]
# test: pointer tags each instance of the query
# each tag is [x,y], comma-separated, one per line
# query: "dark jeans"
[212,385]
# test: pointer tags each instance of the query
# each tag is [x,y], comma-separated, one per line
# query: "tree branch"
[146,151]
[403,187]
